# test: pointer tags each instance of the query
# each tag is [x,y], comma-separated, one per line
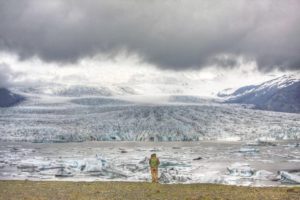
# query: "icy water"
[238,163]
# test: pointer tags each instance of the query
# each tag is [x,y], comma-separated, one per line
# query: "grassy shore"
[128,190]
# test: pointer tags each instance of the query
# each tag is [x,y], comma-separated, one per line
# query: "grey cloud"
[173,34]
[5,75]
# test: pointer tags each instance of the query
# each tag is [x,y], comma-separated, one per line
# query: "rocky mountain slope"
[280,94]
[8,98]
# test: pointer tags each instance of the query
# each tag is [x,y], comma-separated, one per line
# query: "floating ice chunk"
[27,167]
[142,177]
[100,167]
[14,149]
[110,173]
[32,165]
[230,180]
[72,163]
[198,158]
[145,161]
[165,164]
[114,173]
[262,143]
[289,178]
[293,145]
[50,166]
[172,175]
[131,167]
[294,160]
[124,151]
[156,149]
[265,143]
[165,177]
[206,175]
[230,139]
[182,178]
[2,165]
[233,180]
[49,173]
[248,150]
[240,169]
[141,149]
[64,172]
[264,175]
[93,165]
[266,139]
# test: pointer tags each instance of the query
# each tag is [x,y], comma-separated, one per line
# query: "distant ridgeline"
[7,98]
[281,94]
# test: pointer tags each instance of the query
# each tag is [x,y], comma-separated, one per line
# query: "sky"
[207,44]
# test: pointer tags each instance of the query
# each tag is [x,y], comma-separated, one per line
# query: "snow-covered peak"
[277,83]
[281,82]
[279,94]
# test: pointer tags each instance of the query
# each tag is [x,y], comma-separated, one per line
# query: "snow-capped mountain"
[7,98]
[279,94]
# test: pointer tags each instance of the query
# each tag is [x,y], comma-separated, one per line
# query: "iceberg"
[92,165]
[248,150]
[64,172]
[264,175]
[289,177]
[165,177]
[240,169]
[172,175]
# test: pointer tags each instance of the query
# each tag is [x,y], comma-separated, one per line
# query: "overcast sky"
[168,35]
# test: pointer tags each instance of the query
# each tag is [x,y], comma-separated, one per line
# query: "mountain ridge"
[281,94]
[8,98]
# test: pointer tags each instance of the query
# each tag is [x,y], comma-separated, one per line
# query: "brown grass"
[57,190]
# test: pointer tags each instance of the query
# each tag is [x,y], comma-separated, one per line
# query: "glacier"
[53,117]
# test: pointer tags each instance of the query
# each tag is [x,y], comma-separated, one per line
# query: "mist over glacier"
[60,113]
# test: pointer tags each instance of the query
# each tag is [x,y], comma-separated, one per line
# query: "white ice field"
[48,137]
[51,118]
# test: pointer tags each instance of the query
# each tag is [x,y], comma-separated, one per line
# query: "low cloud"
[6,75]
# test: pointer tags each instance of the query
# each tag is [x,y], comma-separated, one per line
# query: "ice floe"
[241,169]
[172,175]
[264,175]
[290,178]
[248,150]
[64,172]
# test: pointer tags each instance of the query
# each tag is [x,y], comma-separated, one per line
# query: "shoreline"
[70,180]
[13,189]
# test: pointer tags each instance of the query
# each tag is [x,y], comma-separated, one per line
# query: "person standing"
[154,163]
